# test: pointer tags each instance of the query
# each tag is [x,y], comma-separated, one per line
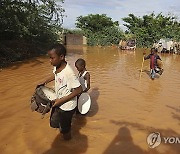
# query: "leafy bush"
[99,29]
[108,36]
[32,20]
[150,28]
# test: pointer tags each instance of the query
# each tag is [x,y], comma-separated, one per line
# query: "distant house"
[75,39]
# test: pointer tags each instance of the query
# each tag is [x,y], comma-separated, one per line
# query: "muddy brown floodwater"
[125,109]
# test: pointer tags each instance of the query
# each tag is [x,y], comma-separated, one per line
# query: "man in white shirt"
[67,87]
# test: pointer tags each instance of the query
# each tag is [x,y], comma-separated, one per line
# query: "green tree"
[27,27]
[95,22]
[30,19]
[99,29]
[151,28]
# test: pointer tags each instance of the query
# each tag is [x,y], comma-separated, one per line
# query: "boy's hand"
[53,102]
[144,53]
[57,102]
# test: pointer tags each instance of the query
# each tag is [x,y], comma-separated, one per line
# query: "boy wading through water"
[83,75]
[67,87]
[154,67]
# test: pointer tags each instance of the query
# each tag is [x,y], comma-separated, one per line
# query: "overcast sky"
[117,9]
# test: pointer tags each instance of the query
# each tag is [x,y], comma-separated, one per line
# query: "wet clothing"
[152,73]
[61,119]
[82,81]
[153,60]
[154,68]
[65,82]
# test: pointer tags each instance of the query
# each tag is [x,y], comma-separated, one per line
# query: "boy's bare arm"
[63,100]
[87,78]
[49,79]
[158,57]
[146,57]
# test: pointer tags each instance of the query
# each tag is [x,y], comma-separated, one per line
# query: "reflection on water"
[137,106]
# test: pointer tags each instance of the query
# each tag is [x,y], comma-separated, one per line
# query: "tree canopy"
[27,27]
[30,19]
[99,29]
[151,28]
[95,22]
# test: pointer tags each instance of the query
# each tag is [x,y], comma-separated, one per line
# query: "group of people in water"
[68,87]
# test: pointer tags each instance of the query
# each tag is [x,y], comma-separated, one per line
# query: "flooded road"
[125,108]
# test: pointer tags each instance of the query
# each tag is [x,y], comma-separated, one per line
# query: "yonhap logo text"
[154,139]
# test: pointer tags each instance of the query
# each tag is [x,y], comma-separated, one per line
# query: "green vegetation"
[99,29]
[29,25]
[151,28]
[32,20]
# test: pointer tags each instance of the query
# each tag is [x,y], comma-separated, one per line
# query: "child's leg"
[65,123]
[152,75]
[55,117]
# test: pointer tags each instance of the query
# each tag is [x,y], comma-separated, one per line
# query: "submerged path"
[125,110]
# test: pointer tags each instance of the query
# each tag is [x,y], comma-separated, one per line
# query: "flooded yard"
[125,108]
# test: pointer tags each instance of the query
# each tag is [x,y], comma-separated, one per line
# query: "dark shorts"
[61,119]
